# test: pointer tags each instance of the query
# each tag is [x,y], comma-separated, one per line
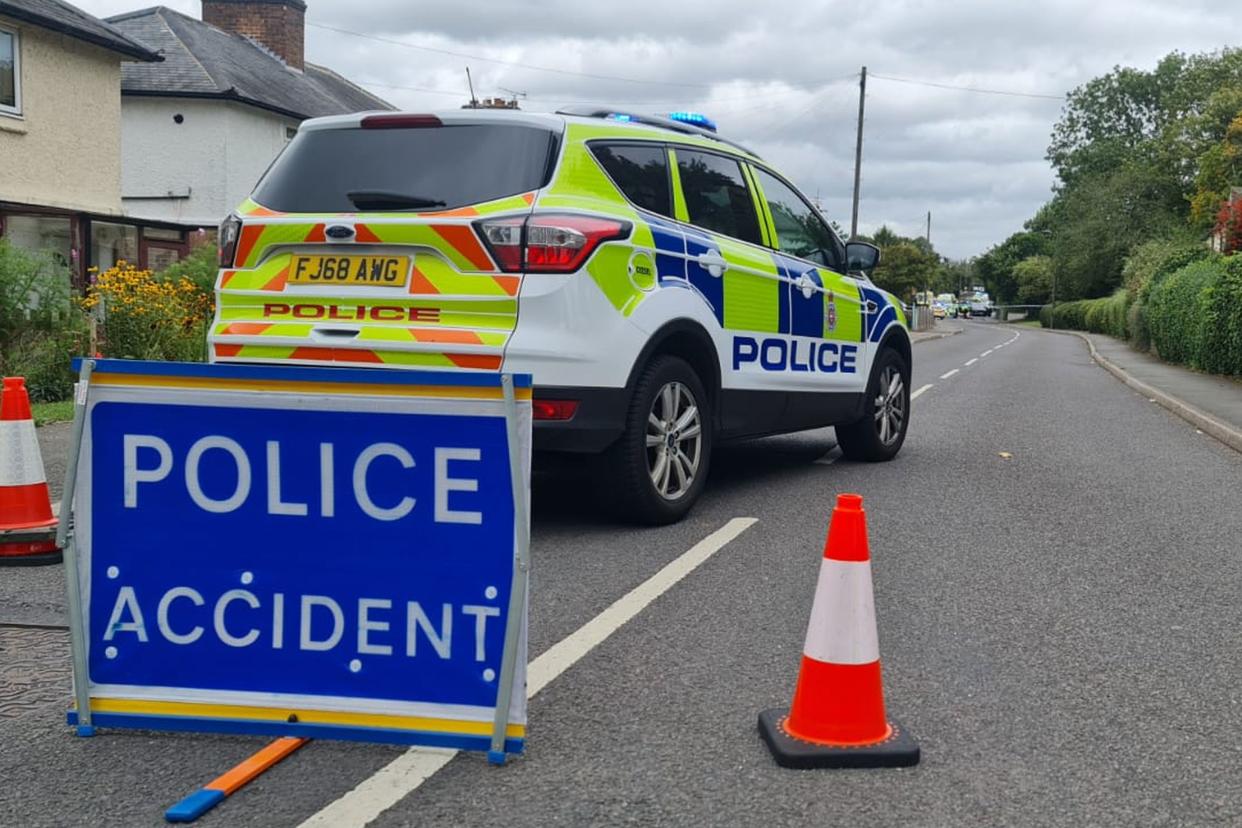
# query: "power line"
[508,62]
[969,88]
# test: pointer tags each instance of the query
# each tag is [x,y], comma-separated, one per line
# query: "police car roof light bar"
[683,127]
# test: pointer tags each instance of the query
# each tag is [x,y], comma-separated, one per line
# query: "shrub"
[34,293]
[1221,337]
[1178,308]
[1108,315]
[1154,260]
[200,267]
[144,317]
[44,359]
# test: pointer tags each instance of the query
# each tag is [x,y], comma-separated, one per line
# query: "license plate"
[380,271]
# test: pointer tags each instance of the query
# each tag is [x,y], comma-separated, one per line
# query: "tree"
[1033,276]
[905,268]
[995,268]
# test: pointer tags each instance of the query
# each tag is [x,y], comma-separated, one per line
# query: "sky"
[782,78]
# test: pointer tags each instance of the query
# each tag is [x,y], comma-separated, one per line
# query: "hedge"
[1192,315]
[1107,316]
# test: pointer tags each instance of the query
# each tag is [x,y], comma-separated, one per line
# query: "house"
[201,127]
[60,131]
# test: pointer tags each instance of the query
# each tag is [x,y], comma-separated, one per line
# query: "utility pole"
[862,97]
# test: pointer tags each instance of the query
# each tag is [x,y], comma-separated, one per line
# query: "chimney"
[278,25]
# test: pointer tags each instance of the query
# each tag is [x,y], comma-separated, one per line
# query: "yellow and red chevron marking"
[315,355]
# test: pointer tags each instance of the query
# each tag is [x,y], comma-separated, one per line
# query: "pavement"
[1210,402]
[1056,574]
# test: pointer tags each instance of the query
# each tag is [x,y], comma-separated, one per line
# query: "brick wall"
[277,24]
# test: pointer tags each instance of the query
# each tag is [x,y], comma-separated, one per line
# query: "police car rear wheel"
[881,431]
[661,460]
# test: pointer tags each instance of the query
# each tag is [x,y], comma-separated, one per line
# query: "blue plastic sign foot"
[194,805]
[86,730]
[495,757]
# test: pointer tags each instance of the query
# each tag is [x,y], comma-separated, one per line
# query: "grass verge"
[52,412]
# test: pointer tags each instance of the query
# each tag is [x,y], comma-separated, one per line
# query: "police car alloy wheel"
[879,433]
[890,406]
[660,463]
[674,440]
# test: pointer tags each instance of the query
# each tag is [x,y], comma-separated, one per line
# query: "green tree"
[905,268]
[1033,276]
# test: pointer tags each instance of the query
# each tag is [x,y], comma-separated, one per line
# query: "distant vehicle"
[939,311]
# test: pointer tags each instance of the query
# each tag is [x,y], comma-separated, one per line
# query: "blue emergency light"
[697,119]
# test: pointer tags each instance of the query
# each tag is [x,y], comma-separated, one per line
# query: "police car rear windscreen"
[421,169]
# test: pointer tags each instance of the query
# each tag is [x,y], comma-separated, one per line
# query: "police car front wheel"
[879,433]
[661,460]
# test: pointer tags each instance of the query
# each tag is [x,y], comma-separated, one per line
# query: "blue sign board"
[302,551]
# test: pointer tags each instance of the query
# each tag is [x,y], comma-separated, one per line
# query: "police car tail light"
[226,237]
[504,238]
[560,244]
[547,242]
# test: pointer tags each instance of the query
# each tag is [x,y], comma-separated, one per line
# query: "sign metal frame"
[513,392]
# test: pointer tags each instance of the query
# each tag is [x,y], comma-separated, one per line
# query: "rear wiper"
[378,199]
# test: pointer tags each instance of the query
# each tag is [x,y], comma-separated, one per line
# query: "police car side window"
[716,195]
[799,229]
[641,172]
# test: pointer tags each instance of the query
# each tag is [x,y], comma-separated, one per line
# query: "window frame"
[16,109]
[774,241]
[751,190]
[662,146]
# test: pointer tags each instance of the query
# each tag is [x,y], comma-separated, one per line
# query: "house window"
[111,243]
[10,74]
[53,234]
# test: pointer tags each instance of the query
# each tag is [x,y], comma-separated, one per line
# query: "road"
[1059,625]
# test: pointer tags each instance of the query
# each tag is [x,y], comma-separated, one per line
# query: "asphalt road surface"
[1060,629]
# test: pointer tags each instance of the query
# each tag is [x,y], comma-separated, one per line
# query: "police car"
[667,288]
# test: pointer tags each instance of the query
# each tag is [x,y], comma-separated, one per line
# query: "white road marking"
[949,374]
[916,394]
[400,777]
[971,362]
[985,353]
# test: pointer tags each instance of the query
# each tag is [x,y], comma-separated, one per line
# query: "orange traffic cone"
[837,719]
[27,526]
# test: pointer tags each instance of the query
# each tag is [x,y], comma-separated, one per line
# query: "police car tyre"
[660,462]
[879,434]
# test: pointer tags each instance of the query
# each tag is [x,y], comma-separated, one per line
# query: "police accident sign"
[307,551]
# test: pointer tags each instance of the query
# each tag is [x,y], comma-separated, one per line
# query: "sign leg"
[517,591]
[65,540]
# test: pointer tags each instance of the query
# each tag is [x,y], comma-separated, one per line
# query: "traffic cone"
[27,525]
[837,719]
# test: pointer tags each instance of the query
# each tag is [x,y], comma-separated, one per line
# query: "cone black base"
[897,751]
[37,559]
[29,547]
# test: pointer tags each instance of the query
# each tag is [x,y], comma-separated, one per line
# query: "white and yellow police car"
[666,288]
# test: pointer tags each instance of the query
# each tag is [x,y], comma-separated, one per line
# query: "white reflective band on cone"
[842,628]
[20,463]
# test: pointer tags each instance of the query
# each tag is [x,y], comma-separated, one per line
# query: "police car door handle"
[807,286]
[713,263]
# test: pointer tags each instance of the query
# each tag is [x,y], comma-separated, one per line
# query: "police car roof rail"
[651,120]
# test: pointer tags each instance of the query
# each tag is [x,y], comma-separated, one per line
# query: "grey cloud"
[780,76]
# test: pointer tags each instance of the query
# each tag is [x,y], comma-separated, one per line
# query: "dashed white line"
[390,784]
[985,353]
[916,394]
[950,373]
[970,362]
